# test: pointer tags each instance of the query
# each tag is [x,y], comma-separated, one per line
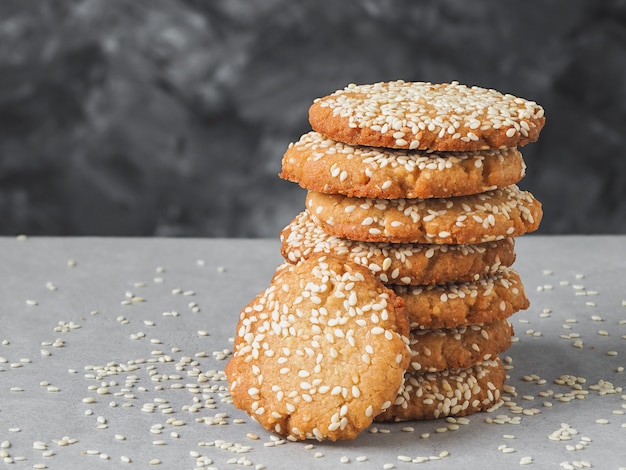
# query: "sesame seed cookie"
[451,392]
[321,164]
[493,297]
[479,218]
[399,263]
[458,348]
[320,352]
[426,116]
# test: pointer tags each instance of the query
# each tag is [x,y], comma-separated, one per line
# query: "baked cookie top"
[320,352]
[399,263]
[478,218]
[426,116]
[328,166]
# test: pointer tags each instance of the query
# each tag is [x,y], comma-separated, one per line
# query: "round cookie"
[426,116]
[493,297]
[458,348]
[399,263]
[452,392]
[320,352]
[321,164]
[479,218]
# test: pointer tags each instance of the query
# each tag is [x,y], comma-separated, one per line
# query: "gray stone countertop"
[112,349]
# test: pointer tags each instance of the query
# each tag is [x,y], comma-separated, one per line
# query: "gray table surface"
[114,348]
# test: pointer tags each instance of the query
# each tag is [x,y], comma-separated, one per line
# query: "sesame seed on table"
[112,354]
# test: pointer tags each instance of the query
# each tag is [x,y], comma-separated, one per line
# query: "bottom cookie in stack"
[451,392]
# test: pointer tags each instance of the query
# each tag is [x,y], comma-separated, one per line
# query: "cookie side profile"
[479,218]
[438,349]
[426,116]
[399,263]
[321,164]
[494,297]
[452,392]
[320,352]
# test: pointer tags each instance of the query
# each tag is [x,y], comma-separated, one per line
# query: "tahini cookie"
[399,263]
[451,392]
[438,349]
[493,297]
[426,116]
[320,352]
[320,164]
[479,218]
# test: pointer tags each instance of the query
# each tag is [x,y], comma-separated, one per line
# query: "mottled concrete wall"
[170,117]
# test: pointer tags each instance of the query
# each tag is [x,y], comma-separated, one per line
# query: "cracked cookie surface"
[320,352]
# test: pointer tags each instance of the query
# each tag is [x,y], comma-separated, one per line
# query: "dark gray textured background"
[170,117]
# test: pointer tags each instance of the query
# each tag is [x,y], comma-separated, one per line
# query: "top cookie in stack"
[426,116]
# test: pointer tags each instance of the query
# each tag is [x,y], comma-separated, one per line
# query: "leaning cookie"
[452,392]
[493,297]
[479,218]
[458,348]
[320,352]
[426,116]
[399,263]
[321,164]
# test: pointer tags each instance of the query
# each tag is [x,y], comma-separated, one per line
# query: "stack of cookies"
[412,187]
